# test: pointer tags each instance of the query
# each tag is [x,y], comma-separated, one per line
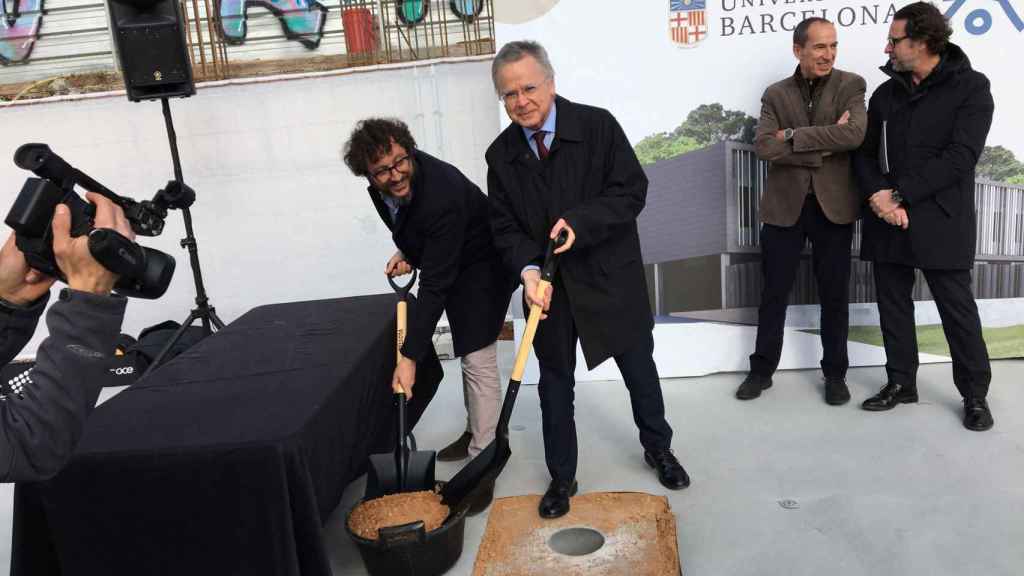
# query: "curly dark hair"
[927,24]
[371,139]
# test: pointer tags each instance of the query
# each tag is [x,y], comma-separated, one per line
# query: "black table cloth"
[227,460]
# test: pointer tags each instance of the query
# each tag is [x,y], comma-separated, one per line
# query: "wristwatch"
[787,134]
[896,196]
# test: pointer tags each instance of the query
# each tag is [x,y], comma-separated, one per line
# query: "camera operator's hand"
[73,257]
[19,284]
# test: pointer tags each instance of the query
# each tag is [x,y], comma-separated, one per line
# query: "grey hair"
[802,30]
[516,51]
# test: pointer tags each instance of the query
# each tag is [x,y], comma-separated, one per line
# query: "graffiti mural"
[301,20]
[467,10]
[412,12]
[19,29]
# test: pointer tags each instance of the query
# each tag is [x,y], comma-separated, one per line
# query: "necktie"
[542,150]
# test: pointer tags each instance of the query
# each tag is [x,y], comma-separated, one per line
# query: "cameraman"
[41,421]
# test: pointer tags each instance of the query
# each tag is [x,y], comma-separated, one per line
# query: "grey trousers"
[481,390]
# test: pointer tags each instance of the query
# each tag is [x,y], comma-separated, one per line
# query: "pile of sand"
[397,509]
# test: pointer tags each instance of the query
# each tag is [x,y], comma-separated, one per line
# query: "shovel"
[405,470]
[459,493]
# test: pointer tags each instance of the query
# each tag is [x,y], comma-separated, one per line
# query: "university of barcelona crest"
[687,22]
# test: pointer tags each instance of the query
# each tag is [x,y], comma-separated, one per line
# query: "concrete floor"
[905,492]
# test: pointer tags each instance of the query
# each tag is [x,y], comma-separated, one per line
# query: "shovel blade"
[382,476]
[481,471]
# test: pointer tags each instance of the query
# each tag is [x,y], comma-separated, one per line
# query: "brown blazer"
[817,158]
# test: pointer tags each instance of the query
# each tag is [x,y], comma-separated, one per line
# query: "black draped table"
[228,459]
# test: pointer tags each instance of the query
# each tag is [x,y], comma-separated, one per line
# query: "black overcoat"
[593,179]
[444,232]
[931,135]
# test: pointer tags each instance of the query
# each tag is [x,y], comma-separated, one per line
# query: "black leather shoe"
[670,471]
[483,500]
[977,416]
[752,386]
[555,502]
[889,396]
[458,450]
[836,392]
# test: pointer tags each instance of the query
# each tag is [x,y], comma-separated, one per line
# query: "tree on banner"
[705,125]
[301,20]
[1000,165]
[19,29]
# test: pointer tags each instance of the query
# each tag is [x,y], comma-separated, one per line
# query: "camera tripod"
[179,196]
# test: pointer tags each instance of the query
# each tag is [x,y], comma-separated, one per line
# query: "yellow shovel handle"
[401,315]
[531,330]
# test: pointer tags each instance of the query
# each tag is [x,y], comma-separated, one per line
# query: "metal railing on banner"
[998,273]
[356,33]
[750,175]
[207,50]
[1000,211]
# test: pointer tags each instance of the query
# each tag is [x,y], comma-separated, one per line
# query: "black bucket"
[409,550]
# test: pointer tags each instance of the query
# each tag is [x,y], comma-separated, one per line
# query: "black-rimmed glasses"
[401,166]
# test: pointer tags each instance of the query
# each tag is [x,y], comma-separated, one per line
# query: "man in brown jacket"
[809,122]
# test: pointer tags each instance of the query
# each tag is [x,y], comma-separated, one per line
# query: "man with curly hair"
[438,220]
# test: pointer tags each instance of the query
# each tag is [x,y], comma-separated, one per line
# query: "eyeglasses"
[894,41]
[529,91]
[401,166]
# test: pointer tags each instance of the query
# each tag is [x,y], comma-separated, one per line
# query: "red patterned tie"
[542,150]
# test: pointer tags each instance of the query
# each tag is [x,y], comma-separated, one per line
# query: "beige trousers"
[481,390]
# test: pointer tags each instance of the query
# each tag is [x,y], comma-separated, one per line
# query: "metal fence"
[999,207]
[1000,234]
[1000,211]
[352,33]
[73,48]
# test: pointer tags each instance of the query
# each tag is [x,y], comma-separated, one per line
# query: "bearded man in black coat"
[439,222]
[562,165]
[926,130]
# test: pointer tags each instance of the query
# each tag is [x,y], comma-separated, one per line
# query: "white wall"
[278,216]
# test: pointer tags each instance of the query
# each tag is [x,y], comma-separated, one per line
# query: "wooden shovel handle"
[402,315]
[531,330]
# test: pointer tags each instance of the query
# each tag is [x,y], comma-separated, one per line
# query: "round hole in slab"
[576,541]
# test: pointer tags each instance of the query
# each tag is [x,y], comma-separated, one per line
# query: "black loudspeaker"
[150,39]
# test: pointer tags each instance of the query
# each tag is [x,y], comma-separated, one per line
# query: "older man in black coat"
[926,129]
[439,222]
[562,165]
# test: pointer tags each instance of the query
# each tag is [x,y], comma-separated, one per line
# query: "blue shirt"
[549,132]
[392,205]
[549,136]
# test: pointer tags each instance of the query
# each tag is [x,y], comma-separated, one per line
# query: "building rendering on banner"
[699,234]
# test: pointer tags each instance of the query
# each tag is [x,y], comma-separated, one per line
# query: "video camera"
[144,272]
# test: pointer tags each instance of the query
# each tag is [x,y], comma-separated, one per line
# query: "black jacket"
[41,423]
[593,179]
[445,234]
[933,136]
